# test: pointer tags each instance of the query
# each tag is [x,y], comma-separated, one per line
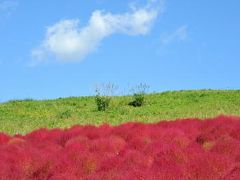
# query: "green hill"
[22,116]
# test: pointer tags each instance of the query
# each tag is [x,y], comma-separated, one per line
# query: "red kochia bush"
[182,149]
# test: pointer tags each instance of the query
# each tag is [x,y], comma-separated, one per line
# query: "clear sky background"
[59,48]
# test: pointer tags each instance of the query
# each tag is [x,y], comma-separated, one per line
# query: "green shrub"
[103,95]
[139,93]
[102,102]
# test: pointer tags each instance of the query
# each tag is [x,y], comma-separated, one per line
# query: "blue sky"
[58,48]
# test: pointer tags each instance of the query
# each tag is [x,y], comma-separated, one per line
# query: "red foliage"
[182,149]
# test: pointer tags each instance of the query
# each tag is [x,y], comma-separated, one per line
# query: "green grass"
[23,116]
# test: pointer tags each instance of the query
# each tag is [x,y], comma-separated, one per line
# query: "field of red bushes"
[182,149]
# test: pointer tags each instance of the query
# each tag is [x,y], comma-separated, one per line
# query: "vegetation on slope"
[22,116]
[187,149]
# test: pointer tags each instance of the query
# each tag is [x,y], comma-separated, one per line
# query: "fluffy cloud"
[179,35]
[69,42]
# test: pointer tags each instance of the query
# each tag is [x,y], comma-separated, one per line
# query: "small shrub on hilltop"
[102,102]
[103,95]
[139,93]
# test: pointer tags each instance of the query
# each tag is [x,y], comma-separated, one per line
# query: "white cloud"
[69,42]
[179,35]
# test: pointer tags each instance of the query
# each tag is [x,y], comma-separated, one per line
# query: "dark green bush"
[139,93]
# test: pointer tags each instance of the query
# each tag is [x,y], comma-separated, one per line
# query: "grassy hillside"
[26,115]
